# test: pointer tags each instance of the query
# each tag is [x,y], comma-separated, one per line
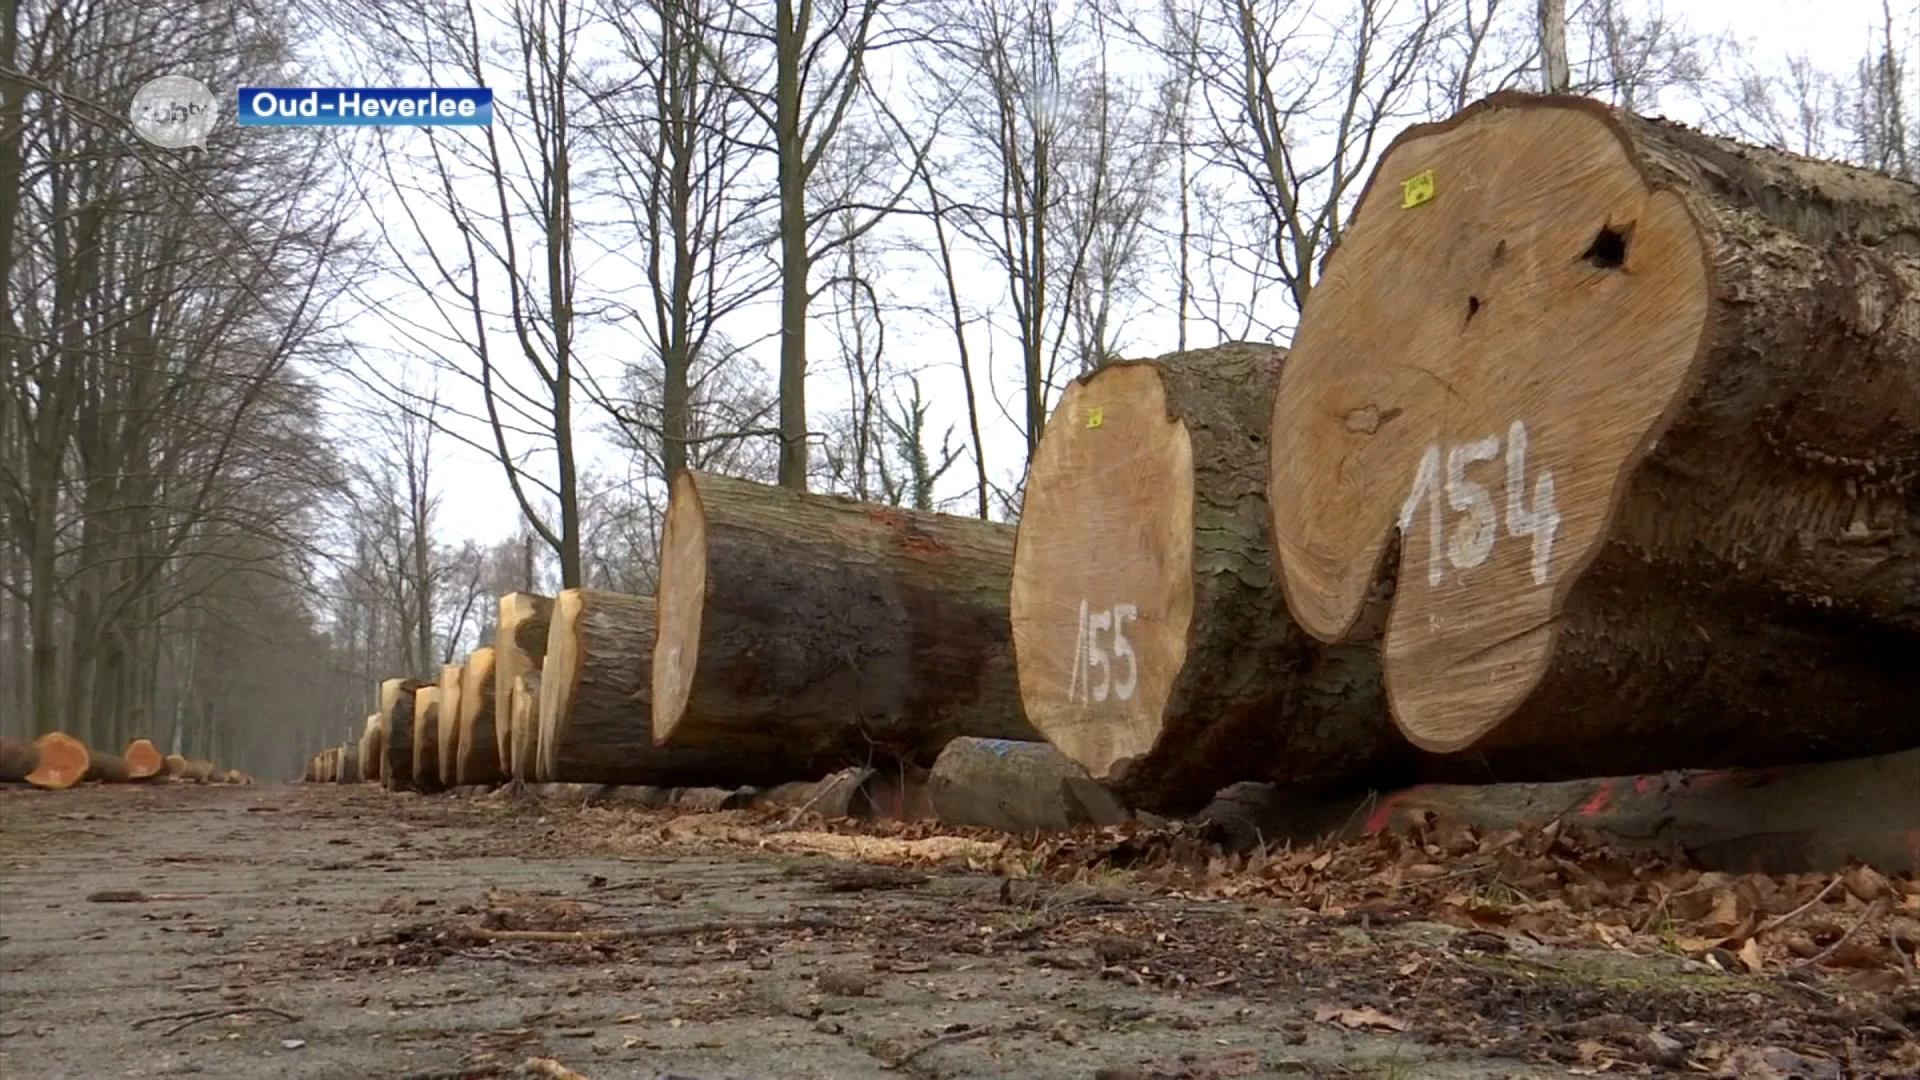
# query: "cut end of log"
[681,599]
[559,676]
[452,681]
[476,754]
[143,760]
[64,761]
[1505,329]
[1102,591]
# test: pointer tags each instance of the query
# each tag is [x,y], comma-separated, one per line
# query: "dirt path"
[376,936]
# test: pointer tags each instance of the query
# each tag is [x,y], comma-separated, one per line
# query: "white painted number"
[1473,537]
[1088,655]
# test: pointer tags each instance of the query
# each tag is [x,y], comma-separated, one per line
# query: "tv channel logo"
[174,111]
[364,106]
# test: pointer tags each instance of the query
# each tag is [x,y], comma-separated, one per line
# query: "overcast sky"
[476,502]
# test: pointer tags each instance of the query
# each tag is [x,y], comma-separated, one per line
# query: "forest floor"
[317,931]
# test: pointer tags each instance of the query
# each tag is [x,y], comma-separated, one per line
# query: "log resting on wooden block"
[596,720]
[1152,638]
[144,760]
[17,759]
[396,733]
[478,755]
[804,632]
[1642,409]
[426,738]
[452,681]
[1017,787]
[63,761]
[519,646]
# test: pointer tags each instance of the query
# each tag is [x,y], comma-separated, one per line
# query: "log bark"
[519,646]
[426,738]
[1017,787]
[369,750]
[144,761]
[396,734]
[596,719]
[802,633]
[1151,635]
[107,768]
[1644,422]
[17,759]
[64,761]
[452,681]
[478,756]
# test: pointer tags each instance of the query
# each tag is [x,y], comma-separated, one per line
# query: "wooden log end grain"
[452,682]
[63,761]
[519,646]
[1623,420]
[144,760]
[478,756]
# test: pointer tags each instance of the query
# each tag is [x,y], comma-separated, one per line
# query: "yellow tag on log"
[1096,415]
[1416,189]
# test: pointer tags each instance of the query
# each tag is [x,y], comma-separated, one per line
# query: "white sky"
[476,502]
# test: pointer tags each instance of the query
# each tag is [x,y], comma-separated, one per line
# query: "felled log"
[477,759]
[235,776]
[452,680]
[426,738]
[107,768]
[396,734]
[17,759]
[63,761]
[1151,636]
[523,701]
[1017,787]
[176,767]
[369,750]
[801,633]
[144,760]
[198,770]
[596,720]
[349,764]
[1642,407]
[519,646]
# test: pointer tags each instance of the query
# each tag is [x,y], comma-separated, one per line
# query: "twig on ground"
[644,933]
[549,1069]
[1775,924]
[468,1072]
[194,1016]
[944,1040]
[135,896]
[1873,910]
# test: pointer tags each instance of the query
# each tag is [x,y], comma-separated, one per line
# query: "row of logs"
[1596,452]
[58,761]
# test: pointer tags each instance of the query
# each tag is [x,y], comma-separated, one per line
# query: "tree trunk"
[519,646]
[452,680]
[1016,787]
[478,757]
[1668,390]
[396,734]
[143,760]
[596,717]
[801,633]
[63,761]
[18,758]
[1152,640]
[369,750]
[426,738]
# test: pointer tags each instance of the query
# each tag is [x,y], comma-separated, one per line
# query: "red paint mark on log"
[1383,814]
[1599,800]
[1645,784]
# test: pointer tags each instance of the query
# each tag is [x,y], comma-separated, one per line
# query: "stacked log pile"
[1596,452]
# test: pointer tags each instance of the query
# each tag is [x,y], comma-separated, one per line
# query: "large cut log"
[452,680]
[523,702]
[396,733]
[519,646]
[1151,635]
[1017,787]
[477,758]
[596,720]
[1642,408]
[17,759]
[426,738]
[107,768]
[369,750]
[804,632]
[63,761]
[144,760]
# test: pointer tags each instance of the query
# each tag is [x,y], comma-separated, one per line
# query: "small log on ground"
[802,633]
[144,760]
[17,759]
[107,768]
[426,738]
[63,761]
[596,720]
[519,646]
[477,758]
[1642,409]
[176,767]
[1151,635]
[523,703]
[198,770]
[369,750]
[1017,787]
[396,733]
[235,776]
[452,682]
